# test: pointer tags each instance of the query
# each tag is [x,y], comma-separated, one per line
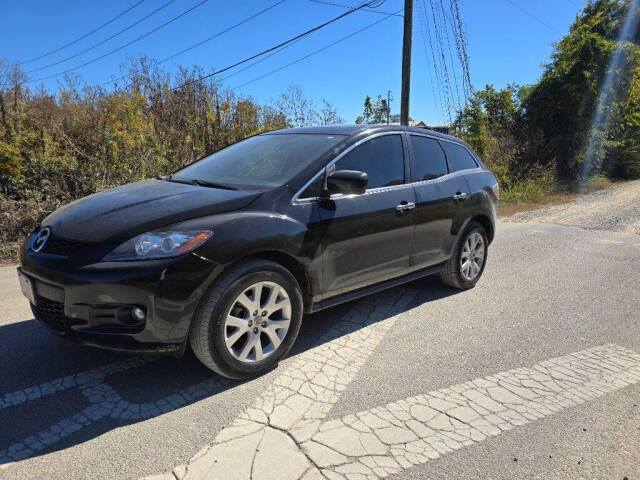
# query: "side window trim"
[471,154]
[404,164]
[446,157]
[406,151]
[440,140]
[413,156]
[408,157]
[296,199]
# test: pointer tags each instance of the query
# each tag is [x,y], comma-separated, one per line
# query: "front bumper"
[89,303]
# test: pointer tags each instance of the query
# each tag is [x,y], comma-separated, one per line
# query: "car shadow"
[56,394]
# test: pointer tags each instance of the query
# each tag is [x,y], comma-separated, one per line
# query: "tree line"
[581,119]
[57,148]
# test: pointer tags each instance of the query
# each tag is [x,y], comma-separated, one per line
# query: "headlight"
[158,245]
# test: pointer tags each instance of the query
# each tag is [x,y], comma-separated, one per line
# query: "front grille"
[50,312]
[63,246]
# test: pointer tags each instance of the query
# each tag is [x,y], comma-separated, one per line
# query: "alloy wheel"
[472,257]
[257,322]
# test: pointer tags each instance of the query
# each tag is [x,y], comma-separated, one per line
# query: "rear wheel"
[248,320]
[465,267]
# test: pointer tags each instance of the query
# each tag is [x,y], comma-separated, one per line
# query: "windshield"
[261,161]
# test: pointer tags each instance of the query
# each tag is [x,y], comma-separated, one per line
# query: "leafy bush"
[86,139]
[10,160]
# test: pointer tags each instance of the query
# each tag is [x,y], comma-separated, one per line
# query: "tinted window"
[428,159]
[381,158]
[458,156]
[313,190]
[263,160]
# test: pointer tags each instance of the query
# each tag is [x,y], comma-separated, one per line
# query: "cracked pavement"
[534,373]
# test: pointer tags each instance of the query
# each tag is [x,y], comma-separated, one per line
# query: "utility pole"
[388,105]
[406,62]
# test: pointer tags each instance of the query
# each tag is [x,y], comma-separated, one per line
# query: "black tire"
[452,275]
[207,331]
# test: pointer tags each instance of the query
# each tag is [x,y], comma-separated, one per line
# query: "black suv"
[229,252]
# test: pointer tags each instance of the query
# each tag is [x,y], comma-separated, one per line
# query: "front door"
[367,238]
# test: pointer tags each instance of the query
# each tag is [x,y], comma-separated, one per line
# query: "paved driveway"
[534,373]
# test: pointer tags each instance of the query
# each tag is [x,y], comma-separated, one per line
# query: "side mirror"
[349,182]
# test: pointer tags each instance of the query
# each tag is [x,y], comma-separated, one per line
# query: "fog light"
[138,313]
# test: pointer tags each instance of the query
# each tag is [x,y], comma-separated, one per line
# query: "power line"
[348,6]
[278,46]
[426,55]
[212,37]
[123,46]
[461,46]
[451,59]
[537,19]
[226,77]
[260,60]
[447,81]
[83,36]
[444,101]
[102,42]
[317,51]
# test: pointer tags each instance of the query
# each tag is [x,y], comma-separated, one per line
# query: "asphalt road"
[68,411]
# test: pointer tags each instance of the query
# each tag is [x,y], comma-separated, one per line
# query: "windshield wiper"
[205,183]
[195,181]
[169,178]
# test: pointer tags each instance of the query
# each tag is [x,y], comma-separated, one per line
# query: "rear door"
[367,238]
[439,194]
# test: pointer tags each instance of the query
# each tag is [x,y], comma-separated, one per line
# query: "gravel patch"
[616,209]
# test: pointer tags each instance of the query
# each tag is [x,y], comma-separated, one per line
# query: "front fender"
[238,235]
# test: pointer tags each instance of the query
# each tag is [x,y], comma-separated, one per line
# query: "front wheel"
[248,320]
[465,267]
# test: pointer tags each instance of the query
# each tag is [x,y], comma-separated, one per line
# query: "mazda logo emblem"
[41,239]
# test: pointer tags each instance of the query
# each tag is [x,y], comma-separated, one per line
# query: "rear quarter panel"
[482,200]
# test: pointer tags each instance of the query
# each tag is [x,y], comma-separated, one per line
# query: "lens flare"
[609,91]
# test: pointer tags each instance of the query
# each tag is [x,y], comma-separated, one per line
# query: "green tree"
[490,122]
[374,113]
[561,107]
[367,112]
[550,125]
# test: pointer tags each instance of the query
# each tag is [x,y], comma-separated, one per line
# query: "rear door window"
[458,157]
[381,158]
[428,160]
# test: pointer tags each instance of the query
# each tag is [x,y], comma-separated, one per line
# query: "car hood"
[121,213]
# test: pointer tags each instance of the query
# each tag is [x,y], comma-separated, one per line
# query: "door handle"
[404,206]
[460,196]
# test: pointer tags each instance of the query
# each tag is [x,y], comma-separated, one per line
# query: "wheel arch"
[291,263]
[487,223]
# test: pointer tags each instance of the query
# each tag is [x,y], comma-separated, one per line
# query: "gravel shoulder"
[616,209]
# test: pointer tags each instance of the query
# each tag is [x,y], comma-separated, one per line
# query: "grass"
[535,193]
[9,253]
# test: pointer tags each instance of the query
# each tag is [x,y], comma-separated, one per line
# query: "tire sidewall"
[471,228]
[216,331]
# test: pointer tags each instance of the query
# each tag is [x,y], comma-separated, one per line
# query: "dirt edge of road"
[616,208]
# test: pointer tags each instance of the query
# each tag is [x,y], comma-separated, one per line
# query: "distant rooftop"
[412,123]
